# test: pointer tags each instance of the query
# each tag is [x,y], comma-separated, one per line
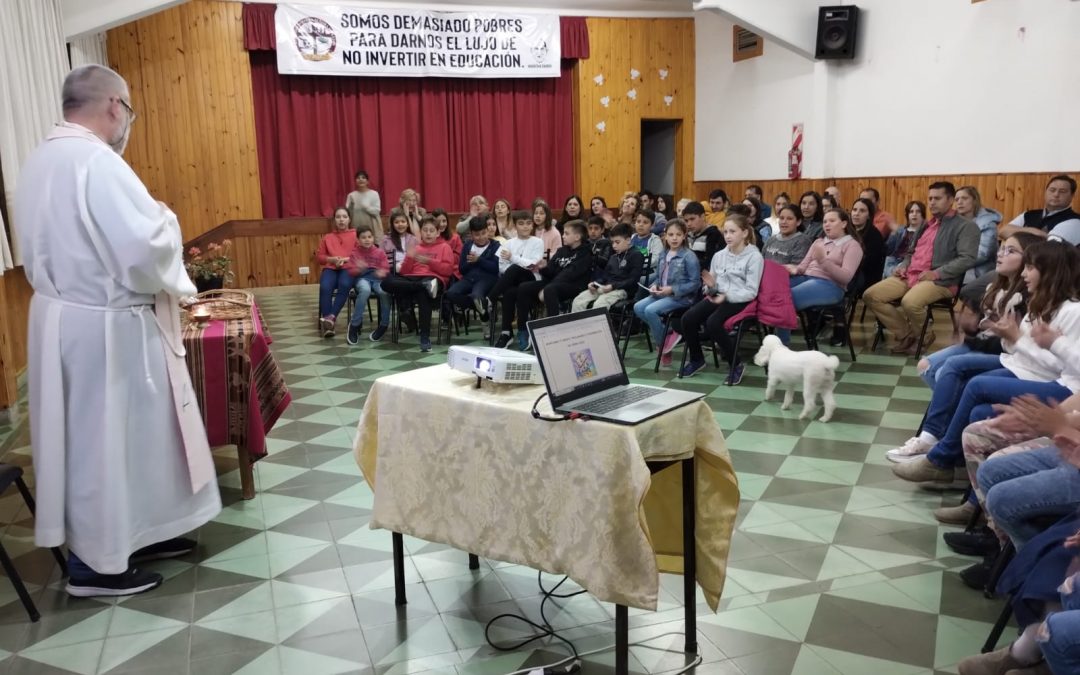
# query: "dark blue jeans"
[949,382]
[997,386]
[330,303]
[463,291]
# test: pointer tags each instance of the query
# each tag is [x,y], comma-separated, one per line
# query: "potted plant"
[210,269]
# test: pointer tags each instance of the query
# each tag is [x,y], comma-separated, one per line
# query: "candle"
[200,313]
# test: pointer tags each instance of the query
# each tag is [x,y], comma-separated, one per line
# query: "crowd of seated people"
[832,255]
[1004,412]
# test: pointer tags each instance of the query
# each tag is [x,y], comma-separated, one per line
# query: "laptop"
[583,373]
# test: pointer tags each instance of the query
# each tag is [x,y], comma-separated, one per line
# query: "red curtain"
[447,138]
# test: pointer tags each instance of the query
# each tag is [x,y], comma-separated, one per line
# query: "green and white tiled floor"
[836,566]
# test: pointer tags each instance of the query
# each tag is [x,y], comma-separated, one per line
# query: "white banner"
[346,40]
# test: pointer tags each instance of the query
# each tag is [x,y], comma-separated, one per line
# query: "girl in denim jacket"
[673,285]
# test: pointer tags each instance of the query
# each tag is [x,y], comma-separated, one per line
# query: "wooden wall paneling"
[194,143]
[609,161]
[15,293]
[1009,193]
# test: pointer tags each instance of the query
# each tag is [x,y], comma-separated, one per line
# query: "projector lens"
[483,364]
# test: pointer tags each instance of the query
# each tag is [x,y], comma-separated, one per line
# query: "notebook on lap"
[583,374]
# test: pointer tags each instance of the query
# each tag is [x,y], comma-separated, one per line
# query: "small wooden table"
[239,387]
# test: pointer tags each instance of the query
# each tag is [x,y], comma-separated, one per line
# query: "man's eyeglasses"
[128,107]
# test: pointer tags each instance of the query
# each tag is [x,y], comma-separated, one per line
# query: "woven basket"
[225,304]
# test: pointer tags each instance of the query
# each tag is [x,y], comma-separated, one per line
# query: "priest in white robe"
[121,459]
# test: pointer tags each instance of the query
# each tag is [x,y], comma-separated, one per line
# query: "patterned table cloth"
[473,469]
[239,386]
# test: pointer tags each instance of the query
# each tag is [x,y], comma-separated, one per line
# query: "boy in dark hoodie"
[703,238]
[561,278]
[479,267]
[620,276]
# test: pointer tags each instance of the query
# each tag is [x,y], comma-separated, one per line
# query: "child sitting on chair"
[673,286]
[518,259]
[619,278]
[369,266]
[561,278]
[479,269]
[425,270]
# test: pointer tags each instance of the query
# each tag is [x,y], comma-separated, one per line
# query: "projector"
[497,365]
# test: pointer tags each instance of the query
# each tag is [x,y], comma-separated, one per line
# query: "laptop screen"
[577,353]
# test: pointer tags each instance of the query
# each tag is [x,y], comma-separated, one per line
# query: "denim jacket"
[684,277]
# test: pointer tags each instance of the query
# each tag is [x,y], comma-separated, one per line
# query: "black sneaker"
[978,575]
[131,582]
[425,343]
[170,548]
[503,340]
[377,334]
[736,375]
[353,336]
[981,542]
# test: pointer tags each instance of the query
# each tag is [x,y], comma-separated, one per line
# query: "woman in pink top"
[334,281]
[821,279]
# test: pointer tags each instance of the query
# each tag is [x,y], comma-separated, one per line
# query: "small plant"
[213,263]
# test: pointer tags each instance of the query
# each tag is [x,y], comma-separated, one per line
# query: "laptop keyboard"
[617,400]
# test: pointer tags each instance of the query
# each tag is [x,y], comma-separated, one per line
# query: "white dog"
[816,372]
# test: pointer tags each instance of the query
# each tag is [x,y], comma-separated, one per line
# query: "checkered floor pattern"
[836,567]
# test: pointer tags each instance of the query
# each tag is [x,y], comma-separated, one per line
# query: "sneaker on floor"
[326,326]
[671,341]
[666,360]
[503,340]
[690,369]
[922,470]
[735,376]
[977,576]
[981,542]
[487,332]
[425,343]
[955,515]
[913,448]
[377,334]
[432,287]
[170,548]
[353,336]
[131,582]
[523,340]
[408,317]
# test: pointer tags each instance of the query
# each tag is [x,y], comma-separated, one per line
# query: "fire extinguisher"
[795,154]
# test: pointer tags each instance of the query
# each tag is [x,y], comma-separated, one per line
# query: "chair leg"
[660,347]
[999,627]
[735,353]
[32,505]
[879,334]
[1008,551]
[922,335]
[805,331]
[20,588]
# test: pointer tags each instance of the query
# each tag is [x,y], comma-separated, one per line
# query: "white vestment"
[107,423]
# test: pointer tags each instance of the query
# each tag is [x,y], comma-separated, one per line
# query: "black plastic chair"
[842,313]
[10,473]
[948,304]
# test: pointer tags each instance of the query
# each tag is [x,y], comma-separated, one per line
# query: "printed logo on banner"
[540,52]
[315,39]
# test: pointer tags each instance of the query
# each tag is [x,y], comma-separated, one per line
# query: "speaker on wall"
[837,26]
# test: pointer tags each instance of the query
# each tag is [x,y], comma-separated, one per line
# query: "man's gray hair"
[89,84]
